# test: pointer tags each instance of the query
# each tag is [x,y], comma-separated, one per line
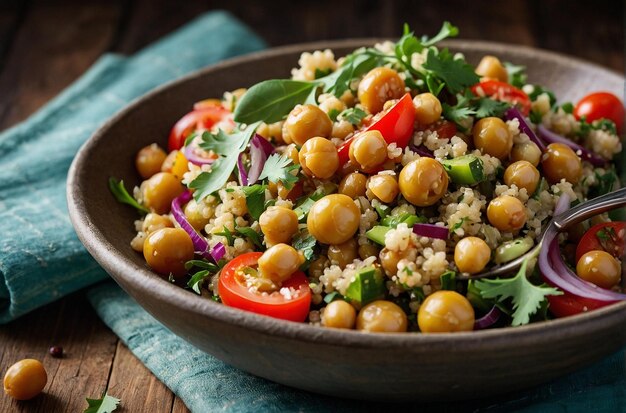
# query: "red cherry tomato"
[611,238]
[396,126]
[203,118]
[568,304]
[234,294]
[503,92]
[601,105]
[445,129]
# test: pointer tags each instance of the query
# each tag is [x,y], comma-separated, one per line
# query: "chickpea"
[368,150]
[560,161]
[305,122]
[367,250]
[153,221]
[167,250]
[25,379]
[159,191]
[492,136]
[339,314]
[491,67]
[527,151]
[471,255]
[389,260]
[524,175]
[343,254]
[353,185]
[332,103]
[279,262]
[445,312]
[427,108]
[383,187]
[333,219]
[599,268]
[506,213]
[378,86]
[318,158]
[193,213]
[423,182]
[168,162]
[316,268]
[149,160]
[291,152]
[278,224]
[382,317]
[341,129]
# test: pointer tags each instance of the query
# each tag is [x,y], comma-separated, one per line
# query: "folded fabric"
[41,259]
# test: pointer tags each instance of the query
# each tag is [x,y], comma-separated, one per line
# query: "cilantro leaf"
[457,114]
[228,147]
[526,297]
[105,404]
[305,242]
[120,193]
[354,65]
[255,199]
[197,279]
[457,74]
[278,168]
[517,74]
[353,115]
[447,30]
[489,107]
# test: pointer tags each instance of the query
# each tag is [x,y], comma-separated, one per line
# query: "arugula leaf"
[278,168]
[355,65]
[228,147]
[489,107]
[252,235]
[305,242]
[353,115]
[255,199]
[526,297]
[119,192]
[271,100]
[517,74]
[457,74]
[105,404]
[197,279]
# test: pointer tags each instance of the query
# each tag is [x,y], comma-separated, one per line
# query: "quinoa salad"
[370,191]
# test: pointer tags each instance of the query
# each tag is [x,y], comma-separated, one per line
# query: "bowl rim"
[117,265]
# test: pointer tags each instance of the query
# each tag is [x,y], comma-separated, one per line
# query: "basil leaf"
[272,100]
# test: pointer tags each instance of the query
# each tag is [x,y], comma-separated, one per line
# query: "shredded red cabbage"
[584,153]
[431,231]
[514,113]
[488,319]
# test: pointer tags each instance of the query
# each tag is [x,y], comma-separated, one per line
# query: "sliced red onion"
[422,151]
[514,113]
[562,204]
[260,150]
[190,155]
[431,231]
[200,244]
[584,153]
[488,319]
[243,175]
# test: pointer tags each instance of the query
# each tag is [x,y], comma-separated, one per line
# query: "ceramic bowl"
[343,363]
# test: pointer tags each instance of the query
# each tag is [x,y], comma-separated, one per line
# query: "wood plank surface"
[46,45]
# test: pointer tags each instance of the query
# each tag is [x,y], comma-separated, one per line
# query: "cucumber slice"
[377,234]
[465,170]
[368,285]
[510,250]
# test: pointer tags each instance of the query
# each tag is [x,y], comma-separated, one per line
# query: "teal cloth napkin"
[42,260]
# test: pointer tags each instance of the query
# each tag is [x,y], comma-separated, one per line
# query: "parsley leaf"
[305,242]
[105,404]
[120,193]
[255,199]
[457,74]
[353,115]
[457,114]
[517,75]
[354,65]
[489,107]
[278,168]
[197,279]
[228,147]
[526,297]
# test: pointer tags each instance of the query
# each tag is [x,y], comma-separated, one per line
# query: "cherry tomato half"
[234,294]
[568,304]
[503,92]
[203,118]
[606,236]
[445,129]
[601,105]
[396,126]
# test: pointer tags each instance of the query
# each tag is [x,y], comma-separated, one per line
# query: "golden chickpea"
[560,162]
[368,150]
[149,160]
[492,136]
[292,153]
[279,262]
[343,254]
[318,158]
[316,268]
[378,86]
[506,213]
[342,129]
[383,187]
[389,260]
[339,314]
[353,185]
[25,379]
[382,317]
[527,151]
[491,67]
[278,224]
[423,182]
[333,219]
[153,221]
[159,191]
[427,108]
[599,268]
[332,103]
[471,255]
[445,312]
[193,213]
[524,175]
[367,250]
[305,122]
[167,250]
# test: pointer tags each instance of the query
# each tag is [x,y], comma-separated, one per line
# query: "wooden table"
[46,45]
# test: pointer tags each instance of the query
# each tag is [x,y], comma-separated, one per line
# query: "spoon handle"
[590,208]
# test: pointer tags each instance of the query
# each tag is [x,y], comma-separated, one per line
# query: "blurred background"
[45,45]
